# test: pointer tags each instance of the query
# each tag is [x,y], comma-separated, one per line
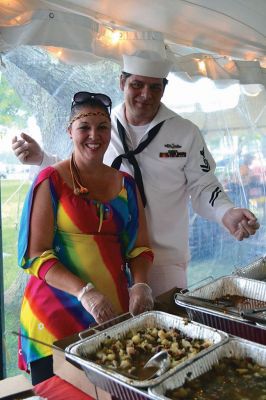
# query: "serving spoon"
[160,361]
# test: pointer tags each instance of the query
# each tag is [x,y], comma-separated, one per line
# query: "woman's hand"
[140,298]
[98,306]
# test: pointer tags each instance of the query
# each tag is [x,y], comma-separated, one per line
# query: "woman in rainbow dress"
[83,240]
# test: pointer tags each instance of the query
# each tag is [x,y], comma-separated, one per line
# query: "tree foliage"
[12,110]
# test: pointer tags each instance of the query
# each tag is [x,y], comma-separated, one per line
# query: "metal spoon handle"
[51,346]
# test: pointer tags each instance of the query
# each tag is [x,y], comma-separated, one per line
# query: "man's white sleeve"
[208,197]
[49,159]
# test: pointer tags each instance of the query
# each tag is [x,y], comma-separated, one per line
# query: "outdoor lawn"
[13,193]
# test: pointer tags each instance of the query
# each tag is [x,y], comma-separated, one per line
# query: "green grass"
[13,193]
[12,197]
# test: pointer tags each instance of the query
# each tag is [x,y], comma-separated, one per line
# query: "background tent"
[51,49]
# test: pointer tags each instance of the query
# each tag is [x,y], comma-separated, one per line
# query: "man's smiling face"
[142,97]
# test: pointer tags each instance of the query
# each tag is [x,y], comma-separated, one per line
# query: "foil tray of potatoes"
[111,354]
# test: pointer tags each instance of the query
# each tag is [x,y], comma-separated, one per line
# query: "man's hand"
[27,150]
[240,222]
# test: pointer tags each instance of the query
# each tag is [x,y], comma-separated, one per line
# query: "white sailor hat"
[146,63]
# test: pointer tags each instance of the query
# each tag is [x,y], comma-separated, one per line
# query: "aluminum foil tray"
[235,347]
[255,270]
[111,380]
[224,320]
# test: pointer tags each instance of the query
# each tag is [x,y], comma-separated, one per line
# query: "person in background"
[83,240]
[171,163]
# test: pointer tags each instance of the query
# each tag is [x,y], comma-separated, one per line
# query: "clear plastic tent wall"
[234,130]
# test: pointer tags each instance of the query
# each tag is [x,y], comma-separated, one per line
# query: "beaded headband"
[88,114]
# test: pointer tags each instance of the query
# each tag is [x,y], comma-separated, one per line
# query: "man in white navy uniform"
[171,164]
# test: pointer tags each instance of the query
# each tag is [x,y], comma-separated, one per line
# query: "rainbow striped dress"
[94,249]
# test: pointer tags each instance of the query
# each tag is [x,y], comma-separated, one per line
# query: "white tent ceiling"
[211,30]
[231,27]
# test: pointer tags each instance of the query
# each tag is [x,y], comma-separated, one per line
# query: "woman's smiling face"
[90,130]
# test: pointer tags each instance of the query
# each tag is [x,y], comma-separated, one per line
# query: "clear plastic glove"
[140,298]
[240,222]
[98,306]
[27,150]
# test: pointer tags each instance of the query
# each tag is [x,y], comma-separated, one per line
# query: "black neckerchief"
[130,155]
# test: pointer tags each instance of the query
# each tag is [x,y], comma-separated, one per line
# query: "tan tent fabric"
[220,40]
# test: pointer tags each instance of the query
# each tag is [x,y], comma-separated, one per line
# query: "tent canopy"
[228,36]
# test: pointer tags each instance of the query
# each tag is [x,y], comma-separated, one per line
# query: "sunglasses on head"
[83,97]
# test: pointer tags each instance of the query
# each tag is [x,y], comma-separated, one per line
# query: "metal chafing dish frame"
[254,270]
